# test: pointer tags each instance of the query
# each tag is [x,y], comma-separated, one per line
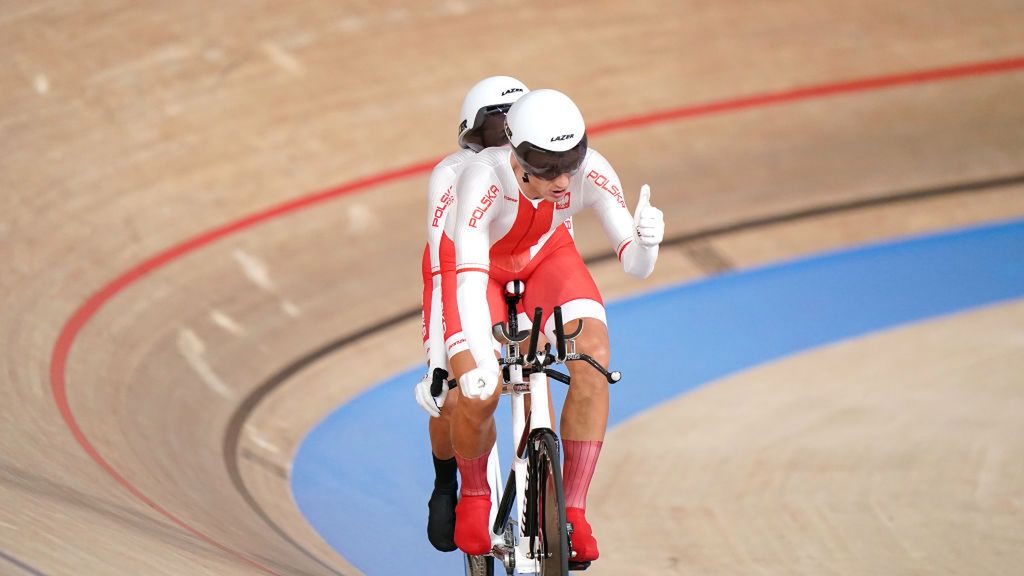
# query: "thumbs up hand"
[649,221]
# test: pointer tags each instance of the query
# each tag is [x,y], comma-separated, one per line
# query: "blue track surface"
[362,476]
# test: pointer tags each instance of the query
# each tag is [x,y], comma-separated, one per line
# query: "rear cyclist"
[482,122]
[510,209]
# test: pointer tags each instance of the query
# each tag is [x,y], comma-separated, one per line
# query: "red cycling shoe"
[472,519]
[583,542]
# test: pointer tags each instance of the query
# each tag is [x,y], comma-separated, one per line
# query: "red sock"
[580,462]
[474,475]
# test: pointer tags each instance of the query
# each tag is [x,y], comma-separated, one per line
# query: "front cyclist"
[481,125]
[510,210]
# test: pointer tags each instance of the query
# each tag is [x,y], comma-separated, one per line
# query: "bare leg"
[443,498]
[441,428]
[473,435]
[584,419]
[473,431]
[585,414]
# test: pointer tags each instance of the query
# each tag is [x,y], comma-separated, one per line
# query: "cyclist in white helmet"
[508,226]
[481,125]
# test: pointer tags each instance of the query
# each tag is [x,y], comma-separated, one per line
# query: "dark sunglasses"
[474,137]
[548,165]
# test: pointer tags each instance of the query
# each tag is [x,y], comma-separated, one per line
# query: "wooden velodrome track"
[148,319]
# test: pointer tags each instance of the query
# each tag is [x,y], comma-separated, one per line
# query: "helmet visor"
[488,128]
[547,164]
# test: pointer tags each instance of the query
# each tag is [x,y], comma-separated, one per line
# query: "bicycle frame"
[507,544]
[539,417]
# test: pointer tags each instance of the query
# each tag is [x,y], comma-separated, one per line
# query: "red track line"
[809,92]
[74,325]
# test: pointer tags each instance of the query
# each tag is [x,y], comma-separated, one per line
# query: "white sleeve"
[478,190]
[441,194]
[603,191]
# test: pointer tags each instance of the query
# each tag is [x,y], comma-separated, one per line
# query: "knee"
[476,411]
[593,340]
[451,402]
[597,348]
[583,373]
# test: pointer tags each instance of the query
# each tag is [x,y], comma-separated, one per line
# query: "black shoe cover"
[441,517]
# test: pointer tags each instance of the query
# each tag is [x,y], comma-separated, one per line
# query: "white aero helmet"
[482,118]
[547,134]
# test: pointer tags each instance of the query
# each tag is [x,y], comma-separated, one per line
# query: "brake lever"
[438,379]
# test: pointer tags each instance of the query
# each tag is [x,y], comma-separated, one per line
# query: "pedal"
[574,566]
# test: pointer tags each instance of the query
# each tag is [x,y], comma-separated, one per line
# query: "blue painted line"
[362,476]
[20,564]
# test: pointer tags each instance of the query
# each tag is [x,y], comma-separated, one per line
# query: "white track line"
[227,323]
[255,270]
[260,441]
[283,59]
[42,84]
[259,274]
[194,351]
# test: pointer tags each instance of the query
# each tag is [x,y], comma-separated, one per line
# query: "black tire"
[479,565]
[551,541]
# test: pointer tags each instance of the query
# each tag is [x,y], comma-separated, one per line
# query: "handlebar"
[532,361]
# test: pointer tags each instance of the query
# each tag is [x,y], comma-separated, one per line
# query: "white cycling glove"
[649,221]
[479,383]
[430,403]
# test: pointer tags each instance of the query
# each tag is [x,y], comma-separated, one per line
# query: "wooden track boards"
[128,129]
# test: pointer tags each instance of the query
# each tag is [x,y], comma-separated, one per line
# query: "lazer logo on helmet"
[486,201]
[511,91]
[442,204]
[562,137]
[601,181]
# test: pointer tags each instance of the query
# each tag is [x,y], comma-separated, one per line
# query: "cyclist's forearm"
[638,261]
[437,356]
[476,317]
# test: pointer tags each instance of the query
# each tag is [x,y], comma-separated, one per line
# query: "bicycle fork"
[523,424]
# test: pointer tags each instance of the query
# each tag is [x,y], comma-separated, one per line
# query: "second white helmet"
[481,119]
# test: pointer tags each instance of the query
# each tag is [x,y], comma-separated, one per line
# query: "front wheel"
[549,539]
